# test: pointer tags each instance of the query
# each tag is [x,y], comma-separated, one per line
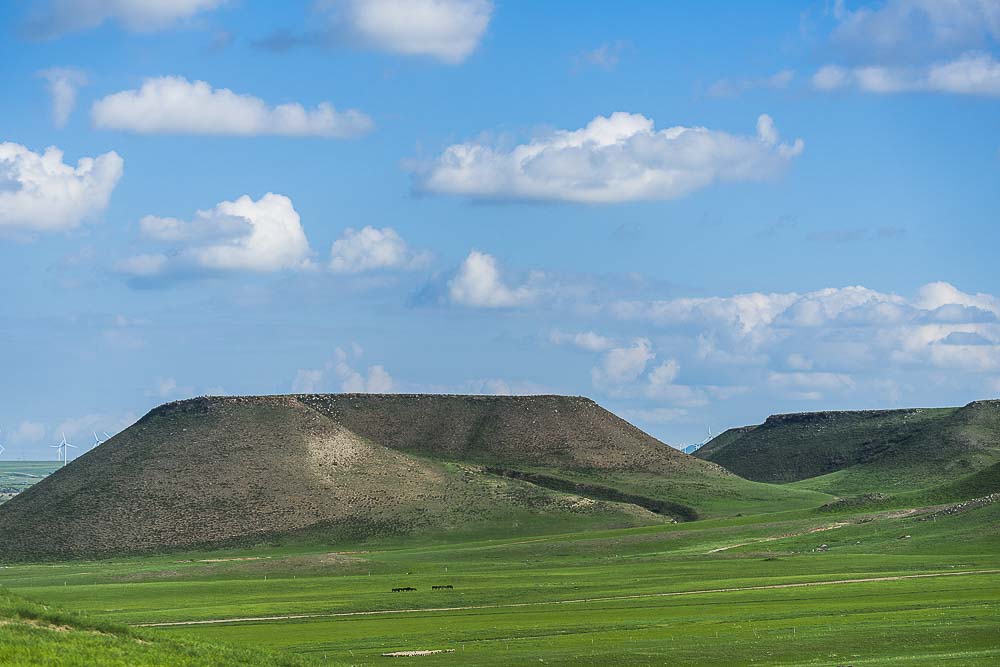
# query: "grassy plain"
[648,595]
[16,476]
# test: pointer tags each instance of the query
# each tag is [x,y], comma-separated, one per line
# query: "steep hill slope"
[346,468]
[858,452]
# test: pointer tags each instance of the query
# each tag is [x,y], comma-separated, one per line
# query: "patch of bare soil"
[818,529]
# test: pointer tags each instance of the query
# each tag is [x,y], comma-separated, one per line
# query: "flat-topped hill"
[861,451]
[569,432]
[345,468]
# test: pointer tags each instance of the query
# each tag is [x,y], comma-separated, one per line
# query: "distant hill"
[351,467]
[873,450]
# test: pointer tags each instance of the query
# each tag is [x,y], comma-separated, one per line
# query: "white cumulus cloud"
[172,104]
[616,158]
[39,192]
[446,30]
[623,365]
[340,373]
[370,249]
[241,235]
[479,284]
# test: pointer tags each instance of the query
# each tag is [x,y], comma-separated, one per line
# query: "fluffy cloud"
[377,380]
[971,74]
[42,193]
[53,18]
[57,17]
[478,284]
[935,296]
[616,158]
[916,46]
[909,27]
[447,30]
[242,235]
[852,328]
[628,371]
[370,249]
[747,315]
[172,104]
[585,340]
[623,365]
[63,84]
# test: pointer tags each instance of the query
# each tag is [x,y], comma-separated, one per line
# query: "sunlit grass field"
[638,596]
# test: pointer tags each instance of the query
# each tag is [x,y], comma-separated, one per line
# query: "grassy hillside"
[845,453]
[341,469]
[720,441]
[34,634]
[229,471]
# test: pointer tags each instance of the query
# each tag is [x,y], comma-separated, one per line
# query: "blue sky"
[697,213]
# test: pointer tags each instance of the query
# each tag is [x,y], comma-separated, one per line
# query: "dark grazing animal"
[406,588]
[438,588]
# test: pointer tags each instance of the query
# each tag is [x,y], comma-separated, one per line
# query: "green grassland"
[16,476]
[35,634]
[878,545]
[852,453]
[645,595]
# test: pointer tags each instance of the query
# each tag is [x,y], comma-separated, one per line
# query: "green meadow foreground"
[889,588]
[516,530]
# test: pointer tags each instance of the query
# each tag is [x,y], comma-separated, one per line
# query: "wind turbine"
[97,441]
[61,448]
[2,448]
